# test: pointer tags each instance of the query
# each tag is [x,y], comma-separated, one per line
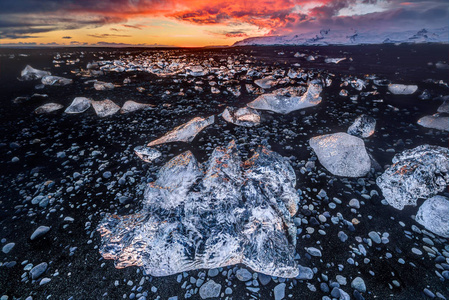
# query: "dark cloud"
[67,37]
[107,35]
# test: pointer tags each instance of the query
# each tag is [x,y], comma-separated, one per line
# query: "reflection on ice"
[231,212]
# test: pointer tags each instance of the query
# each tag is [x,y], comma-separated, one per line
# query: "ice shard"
[421,172]
[363,126]
[286,100]
[79,105]
[434,215]
[436,121]
[132,106]
[48,108]
[221,213]
[342,154]
[56,80]
[185,132]
[30,73]
[105,108]
[244,116]
[147,154]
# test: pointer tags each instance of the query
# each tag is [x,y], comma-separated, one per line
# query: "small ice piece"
[56,80]
[402,89]
[30,73]
[244,116]
[416,173]
[444,108]
[132,106]
[436,121]
[266,82]
[434,215]
[342,154]
[147,154]
[48,108]
[185,132]
[358,84]
[103,86]
[105,108]
[363,126]
[79,105]
[196,71]
[334,60]
[286,100]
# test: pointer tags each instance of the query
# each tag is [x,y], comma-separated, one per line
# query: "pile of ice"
[342,154]
[286,100]
[434,215]
[221,213]
[363,126]
[421,172]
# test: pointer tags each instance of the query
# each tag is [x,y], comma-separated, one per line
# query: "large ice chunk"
[79,105]
[286,100]
[342,154]
[244,116]
[436,121]
[402,89]
[30,73]
[416,173]
[185,132]
[55,80]
[132,106]
[48,108]
[434,215]
[363,126]
[105,108]
[222,213]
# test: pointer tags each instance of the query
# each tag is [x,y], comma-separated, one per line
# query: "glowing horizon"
[196,23]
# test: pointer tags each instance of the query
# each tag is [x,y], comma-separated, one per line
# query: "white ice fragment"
[342,154]
[132,106]
[103,86]
[244,116]
[402,89]
[147,154]
[56,80]
[30,73]
[48,108]
[436,121]
[416,173]
[79,105]
[185,132]
[434,215]
[105,108]
[358,84]
[363,126]
[334,60]
[286,100]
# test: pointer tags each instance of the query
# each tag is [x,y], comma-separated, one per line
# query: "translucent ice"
[79,105]
[434,215]
[55,80]
[147,154]
[131,106]
[417,173]
[222,213]
[436,121]
[286,100]
[342,154]
[363,126]
[30,73]
[244,116]
[185,132]
[105,108]
[402,89]
[48,108]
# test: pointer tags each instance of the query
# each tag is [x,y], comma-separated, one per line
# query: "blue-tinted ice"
[221,213]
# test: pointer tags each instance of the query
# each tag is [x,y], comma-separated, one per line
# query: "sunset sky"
[200,22]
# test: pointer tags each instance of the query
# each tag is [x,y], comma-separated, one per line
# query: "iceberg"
[342,154]
[185,132]
[105,108]
[244,116]
[286,100]
[363,126]
[48,108]
[30,73]
[79,105]
[434,215]
[132,106]
[416,173]
[221,213]
[436,121]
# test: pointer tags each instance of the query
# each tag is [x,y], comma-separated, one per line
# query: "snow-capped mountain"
[353,37]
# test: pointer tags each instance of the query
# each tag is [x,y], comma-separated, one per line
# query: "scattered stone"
[8,247]
[279,291]
[243,275]
[210,289]
[38,270]
[39,232]
[358,284]
[374,236]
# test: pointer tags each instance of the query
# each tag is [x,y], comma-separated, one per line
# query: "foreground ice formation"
[78,105]
[363,126]
[56,80]
[48,108]
[30,73]
[342,154]
[231,212]
[132,106]
[286,100]
[421,172]
[105,108]
[434,215]
[147,154]
[244,116]
[402,89]
[185,132]
[436,121]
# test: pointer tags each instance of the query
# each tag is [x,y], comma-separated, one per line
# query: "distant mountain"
[352,37]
